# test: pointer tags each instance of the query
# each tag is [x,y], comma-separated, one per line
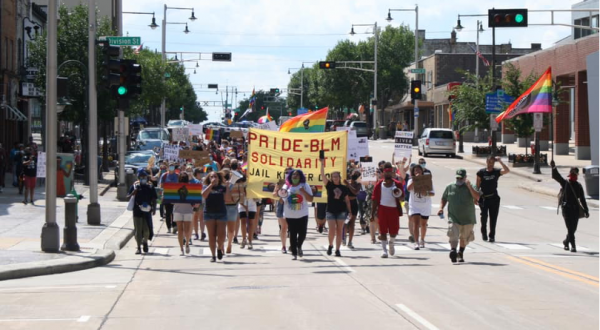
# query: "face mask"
[355,177]
[143,181]
[295,180]
[234,167]
[460,182]
[423,165]
[572,177]
[171,168]
[211,158]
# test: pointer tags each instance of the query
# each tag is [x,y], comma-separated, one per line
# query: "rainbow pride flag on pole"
[182,193]
[212,134]
[537,99]
[307,123]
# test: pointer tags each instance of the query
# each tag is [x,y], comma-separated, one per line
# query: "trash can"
[590,175]
[382,132]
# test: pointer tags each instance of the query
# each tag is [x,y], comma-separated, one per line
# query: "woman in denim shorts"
[283,226]
[215,213]
[338,207]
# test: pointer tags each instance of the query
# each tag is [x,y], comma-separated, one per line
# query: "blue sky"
[267,37]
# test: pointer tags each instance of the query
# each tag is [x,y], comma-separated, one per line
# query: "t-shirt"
[461,207]
[418,204]
[215,202]
[296,206]
[169,178]
[336,197]
[31,169]
[489,181]
[250,203]
[145,194]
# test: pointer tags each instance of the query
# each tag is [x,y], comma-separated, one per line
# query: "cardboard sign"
[368,172]
[352,146]
[193,154]
[363,147]
[236,134]
[403,144]
[422,184]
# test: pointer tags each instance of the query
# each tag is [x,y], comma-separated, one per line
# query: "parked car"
[136,160]
[153,133]
[177,123]
[361,128]
[336,124]
[328,124]
[437,141]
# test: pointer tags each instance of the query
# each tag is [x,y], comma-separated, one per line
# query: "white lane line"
[579,247]
[83,318]
[402,248]
[37,288]
[417,317]
[448,247]
[510,246]
[344,265]
[162,251]
[551,208]
[342,248]
[512,207]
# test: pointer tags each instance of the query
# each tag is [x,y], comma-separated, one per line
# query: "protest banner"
[41,165]
[195,129]
[363,147]
[180,134]
[193,154]
[171,152]
[269,153]
[368,169]
[182,193]
[403,144]
[422,184]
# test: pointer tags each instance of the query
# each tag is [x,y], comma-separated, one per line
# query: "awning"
[15,114]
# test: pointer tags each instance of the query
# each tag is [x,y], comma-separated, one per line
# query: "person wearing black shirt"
[338,207]
[489,201]
[573,199]
[144,196]
[29,162]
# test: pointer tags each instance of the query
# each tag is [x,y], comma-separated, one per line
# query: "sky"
[268,37]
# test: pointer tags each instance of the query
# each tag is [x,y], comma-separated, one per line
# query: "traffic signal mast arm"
[345,63]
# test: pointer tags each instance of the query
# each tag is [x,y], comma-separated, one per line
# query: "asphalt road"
[523,281]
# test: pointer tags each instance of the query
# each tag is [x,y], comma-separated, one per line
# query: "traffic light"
[111,65]
[415,89]
[274,91]
[326,65]
[507,18]
[130,79]
[181,109]
[221,57]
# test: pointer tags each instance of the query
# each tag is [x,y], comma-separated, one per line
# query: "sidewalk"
[539,183]
[21,226]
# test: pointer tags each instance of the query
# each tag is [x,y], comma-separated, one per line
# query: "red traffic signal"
[507,18]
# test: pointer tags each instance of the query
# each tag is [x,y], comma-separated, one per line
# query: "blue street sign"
[416,112]
[497,102]
[302,111]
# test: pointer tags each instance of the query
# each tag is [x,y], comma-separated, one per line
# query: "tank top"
[387,197]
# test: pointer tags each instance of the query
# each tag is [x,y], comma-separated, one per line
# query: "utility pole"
[93,211]
[122,148]
[416,109]
[375,76]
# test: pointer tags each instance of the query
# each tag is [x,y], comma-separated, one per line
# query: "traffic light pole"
[494,141]
[93,211]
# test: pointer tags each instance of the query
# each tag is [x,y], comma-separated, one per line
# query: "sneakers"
[320,229]
[422,244]
[460,256]
[337,253]
[213,259]
[329,250]
[300,252]
[573,249]
[294,257]
[249,246]
[243,245]
[350,245]
[235,240]
[484,236]
[255,236]
[344,240]
[187,249]
[145,246]
[203,237]
[138,251]
[196,237]
[392,248]
[411,239]
[416,246]
[453,255]
[219,254]
[492,240]
[169,230]
[384,255]
[283,250]
[32,203]
[174,230]
[566,245]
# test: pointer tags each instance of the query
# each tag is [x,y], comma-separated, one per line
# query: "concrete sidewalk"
[21,225]
[539,183]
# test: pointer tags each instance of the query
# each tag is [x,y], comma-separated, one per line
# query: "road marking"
[580,248]
[342,248]
[37,288]
[83,318]
[417,317]
[513,246]
[512,207]
[448,247]
[583,278]
[343,265]
[551,208]
[162,251]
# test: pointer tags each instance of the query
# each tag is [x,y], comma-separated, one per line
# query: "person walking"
[460,196]
[573,203]
[232,199]
[215,212]
[198,220]
[420,207]
[354,188]
[169,177]
[338,208]
[144,195]
[386,208]
[283,226]
[296,194]
[183,214]
[247,209]
[489,202]
[29,162]
[16,165]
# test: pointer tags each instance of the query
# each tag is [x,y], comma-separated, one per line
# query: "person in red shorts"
[387,194]
[29,174]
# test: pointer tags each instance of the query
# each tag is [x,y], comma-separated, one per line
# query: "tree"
[469,101]
[514,86]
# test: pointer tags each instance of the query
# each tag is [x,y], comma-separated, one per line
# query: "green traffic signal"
[122,90]
[519,18]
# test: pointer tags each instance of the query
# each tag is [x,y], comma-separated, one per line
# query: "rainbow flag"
[212,134]
[450,114]
[268,186]
[317,191]
[252,98]
[182,193]
[537,99]
[306,123]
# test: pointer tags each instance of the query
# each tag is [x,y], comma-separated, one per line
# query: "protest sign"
[368,169]
[352,145]
[363,147]
[236,134]
[403,144]
[41,165]
[182,193]
[180,134]
[422,184]
[269,153]
[195,129]
[271,126]
[171,152]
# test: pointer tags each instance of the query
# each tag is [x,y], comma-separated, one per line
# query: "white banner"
[270,126]
[41,165]
[171,152]
[352,146]
[368,172]
[403,144]
[195,129]
[180,134]
[363,147]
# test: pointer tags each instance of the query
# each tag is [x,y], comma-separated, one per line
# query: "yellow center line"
[583,278]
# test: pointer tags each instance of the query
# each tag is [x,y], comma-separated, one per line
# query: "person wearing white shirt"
[419,207]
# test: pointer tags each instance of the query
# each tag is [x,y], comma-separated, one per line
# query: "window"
[585,21]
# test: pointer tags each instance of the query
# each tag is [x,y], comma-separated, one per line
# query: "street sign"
[493,123]
[497,102]
[416,112]
[538,121]
[418,71]
[167,75]
[124,41]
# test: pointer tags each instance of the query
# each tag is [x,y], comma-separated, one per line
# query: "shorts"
[231,212]
[215,216]
[279,210]
[422,216]
[29,182]
[457,232]
[186,217]
[250,215]
[354,207]
[199,208]
[388,220]
[321,211]
[336,216]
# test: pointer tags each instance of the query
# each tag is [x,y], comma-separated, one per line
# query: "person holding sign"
[386,208]
[215,213]
[338,207]
[421,192]
[296,194]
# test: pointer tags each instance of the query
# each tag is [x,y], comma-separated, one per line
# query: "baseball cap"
[461,173]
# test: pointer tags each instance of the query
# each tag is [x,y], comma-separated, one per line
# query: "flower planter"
[521,160]
[486,151]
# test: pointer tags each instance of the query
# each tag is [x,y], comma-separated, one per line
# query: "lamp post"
[416,108]
[374,101]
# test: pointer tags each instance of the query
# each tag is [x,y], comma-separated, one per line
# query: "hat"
[142,172]
[461,173]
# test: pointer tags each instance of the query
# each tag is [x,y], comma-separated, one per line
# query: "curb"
[72,263]
[518,173]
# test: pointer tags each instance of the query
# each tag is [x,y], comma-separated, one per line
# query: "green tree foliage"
[514,86]
[469,102]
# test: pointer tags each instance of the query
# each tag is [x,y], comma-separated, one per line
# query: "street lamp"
[186,31]
[458,26]
[152,25]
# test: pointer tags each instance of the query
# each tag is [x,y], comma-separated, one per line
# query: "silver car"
[437,141]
